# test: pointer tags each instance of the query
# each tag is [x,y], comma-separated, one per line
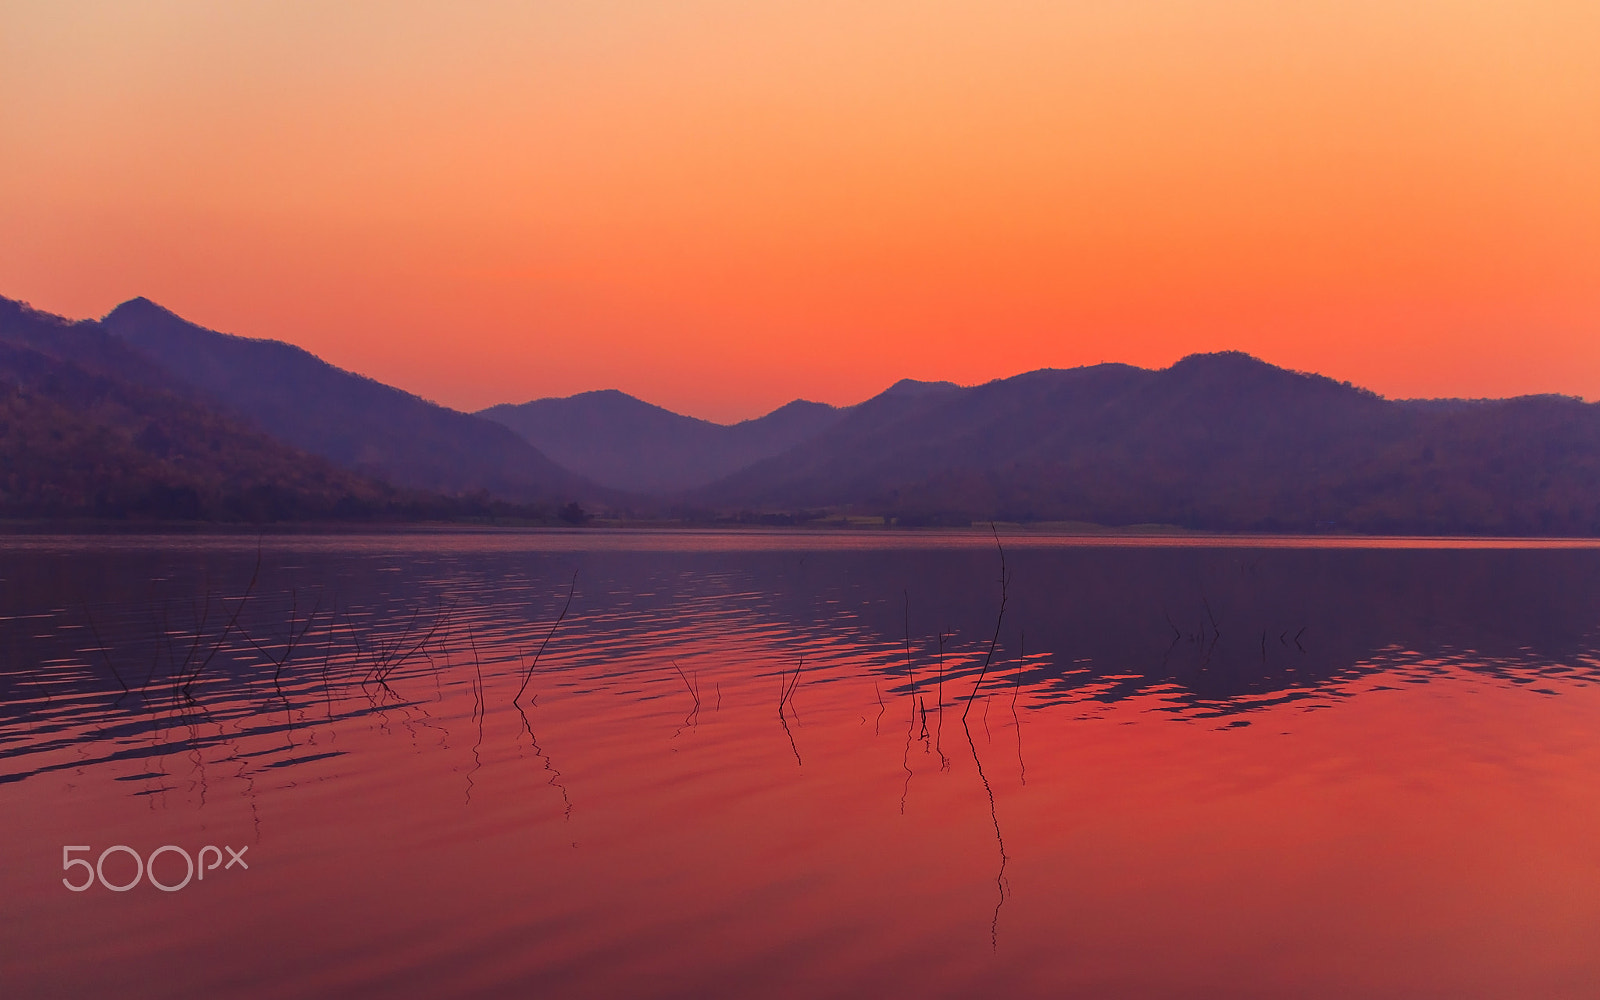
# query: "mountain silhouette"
[623,442]
[146,414]
[1217,441]
[354,421]
[78,439]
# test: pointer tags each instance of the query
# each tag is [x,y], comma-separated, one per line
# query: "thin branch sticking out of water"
[392,662]
[693,718]
[938,740]
[381,658]
[528,676]
[1005,581]
[911,723]
[203,616]
[1022,664]
[233,622]
[97,641]
[911,676]
[155,655]
[295,635]
[477,711]
[786,688]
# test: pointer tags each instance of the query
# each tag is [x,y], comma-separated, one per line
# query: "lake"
[798,764]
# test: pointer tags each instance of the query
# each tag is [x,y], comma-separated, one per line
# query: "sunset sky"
[720,206]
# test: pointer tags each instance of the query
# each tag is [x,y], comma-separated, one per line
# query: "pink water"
[1420,821]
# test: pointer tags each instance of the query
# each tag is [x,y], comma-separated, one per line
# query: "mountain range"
[144,414]
[1217,441]
[351,420]
[91,427]
[626,443]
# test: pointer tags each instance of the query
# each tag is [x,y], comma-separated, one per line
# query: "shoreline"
[17,535]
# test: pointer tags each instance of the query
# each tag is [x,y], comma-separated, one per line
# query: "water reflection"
[1212,633]
[305,682]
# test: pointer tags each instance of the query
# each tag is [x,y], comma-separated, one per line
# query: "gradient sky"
[719,206]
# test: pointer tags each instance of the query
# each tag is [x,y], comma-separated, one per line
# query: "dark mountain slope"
[354,421]
[1219,441]
[626,443]
[82,343]
[75,440]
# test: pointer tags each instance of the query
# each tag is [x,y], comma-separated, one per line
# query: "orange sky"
[719,206]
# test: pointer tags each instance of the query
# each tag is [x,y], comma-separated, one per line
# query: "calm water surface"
[763,765]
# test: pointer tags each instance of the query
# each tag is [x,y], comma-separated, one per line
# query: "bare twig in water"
[788,694]
[1022,659]
[327,656]
[278,662]
[382,659]
[477,712]
[477,666]
[96,633]
[155,654]
[294,640]
[1005,581]
[354,637]
[785,696]
[203,615]
[232,623]
[393,663]
[693,718]
[938,740]
[911,675]
[528,676]
[911,724]
[694,688]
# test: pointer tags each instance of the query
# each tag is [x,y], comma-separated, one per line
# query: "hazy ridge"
[626,443]
[1219,441]
[77,440]
[350,419]
[146,414]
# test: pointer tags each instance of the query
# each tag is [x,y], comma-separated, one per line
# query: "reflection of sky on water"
[785,729]
[1212,629]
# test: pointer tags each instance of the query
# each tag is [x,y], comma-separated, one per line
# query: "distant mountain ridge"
[623,442]
[1218,441]
[350,419]
[146,414]
[78,439]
